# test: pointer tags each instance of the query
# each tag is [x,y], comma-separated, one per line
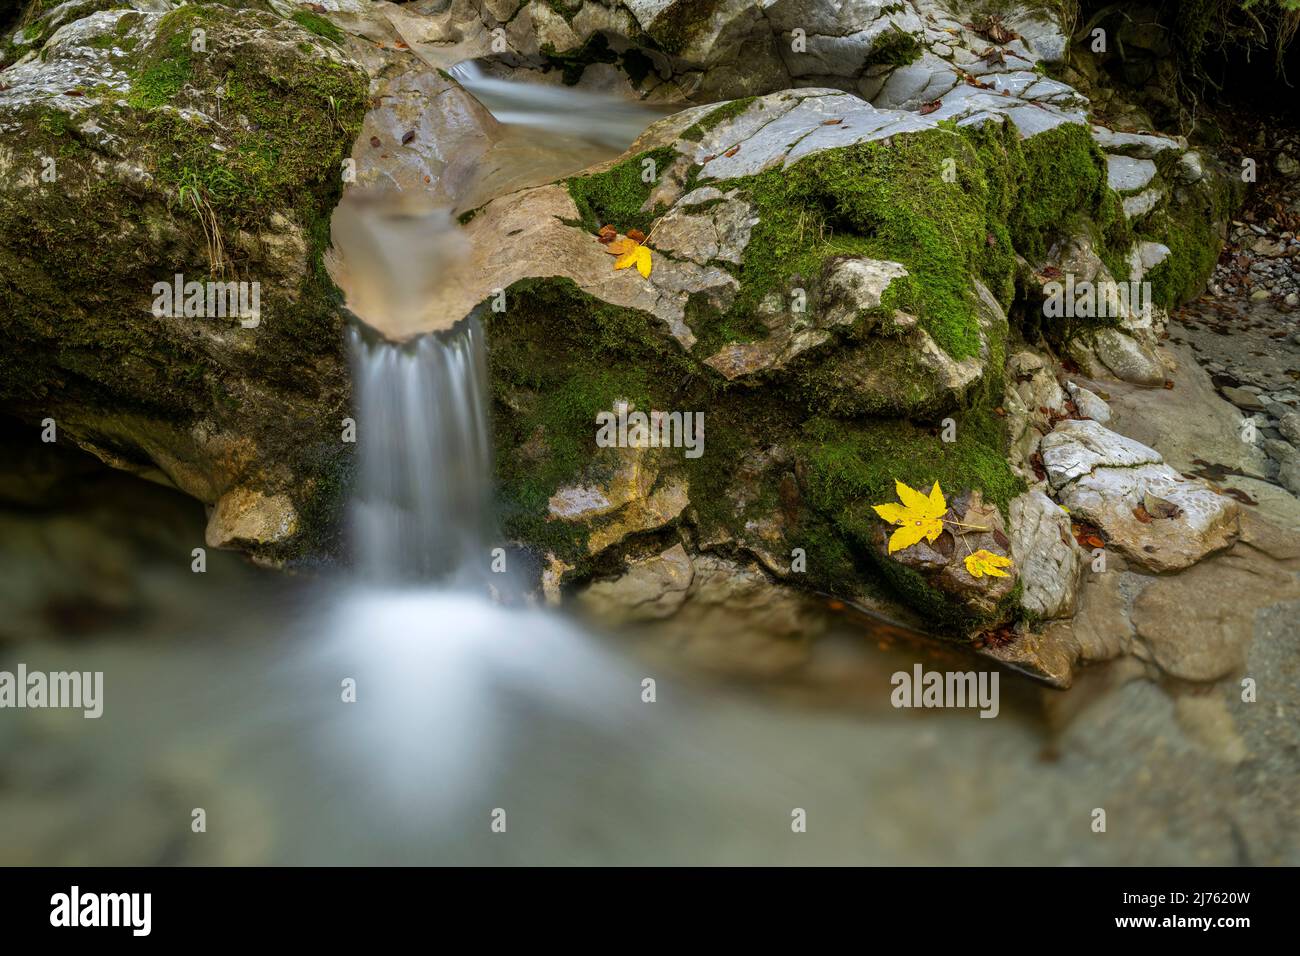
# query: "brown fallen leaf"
[374,142]
[1094,542]
[636,235]
[928,108]
[408,136]
[1141,514]
[606,235]
[733,151]
[832,122]
[1158,507]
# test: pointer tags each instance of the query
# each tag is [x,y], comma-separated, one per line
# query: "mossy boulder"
[861,338]
[203,142]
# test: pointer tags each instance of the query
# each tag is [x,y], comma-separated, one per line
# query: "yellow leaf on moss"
[986,562]
[919,516]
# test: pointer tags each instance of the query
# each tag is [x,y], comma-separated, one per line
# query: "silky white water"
[421,510]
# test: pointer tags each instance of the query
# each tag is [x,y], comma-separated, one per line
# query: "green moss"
[165,66]
[615,197]
[893,48]
[558,357]
[1189,226]
[884,202]
[1063,177]
[695,132]
[315,23]
[852,466]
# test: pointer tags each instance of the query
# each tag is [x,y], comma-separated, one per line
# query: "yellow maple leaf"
[919,516]
[986,562]
[630,252]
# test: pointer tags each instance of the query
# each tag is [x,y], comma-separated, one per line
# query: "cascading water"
[421,511]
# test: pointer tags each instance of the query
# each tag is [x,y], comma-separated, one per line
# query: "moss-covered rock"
[204,142]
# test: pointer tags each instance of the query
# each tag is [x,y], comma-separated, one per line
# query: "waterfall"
[422,507]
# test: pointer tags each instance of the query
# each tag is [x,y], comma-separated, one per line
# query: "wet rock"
[1141,145]
[650,588]
[1243,399]
[1044,655]
[1030,397]
[917,83]
[1114,352]
[1110,480]
[1110,498]
[1198,624]
[1289,425]
[720,232]
[737,621]
[853,290]
[854,287]
[245,518]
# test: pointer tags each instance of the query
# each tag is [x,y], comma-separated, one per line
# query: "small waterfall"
[422,509]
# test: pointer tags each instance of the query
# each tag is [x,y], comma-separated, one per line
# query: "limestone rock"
[853,289]
[1047,556]
[1109,480]
[1088,404]
[1076,449]
[204,403]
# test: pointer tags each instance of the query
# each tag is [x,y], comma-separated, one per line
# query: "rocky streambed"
[881,242]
